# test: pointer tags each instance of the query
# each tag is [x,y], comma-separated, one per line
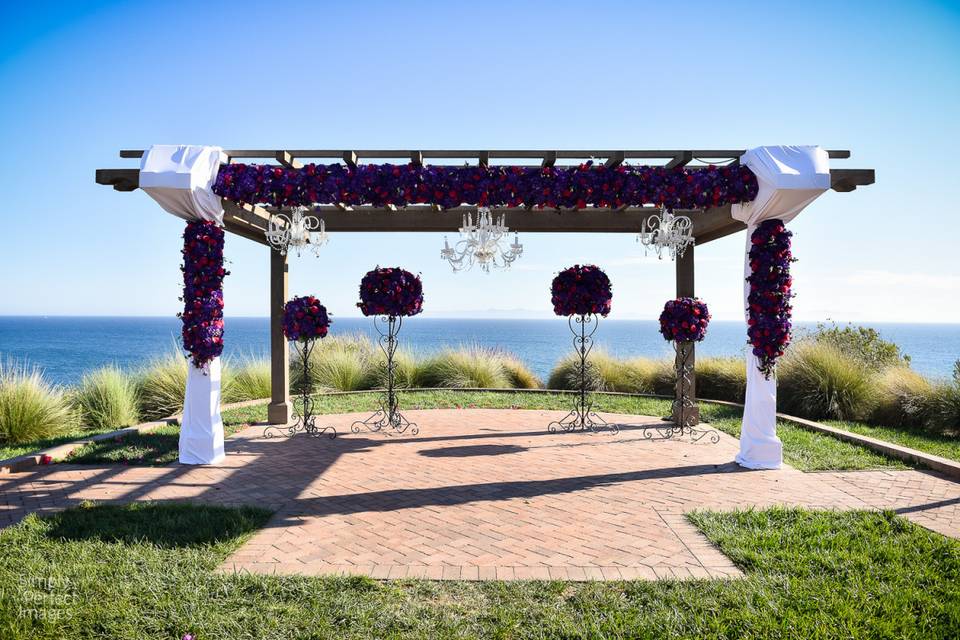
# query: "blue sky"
[83,80]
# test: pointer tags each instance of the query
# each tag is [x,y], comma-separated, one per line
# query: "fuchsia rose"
[581,290]
[768,303]
[203,274]
[304,318]
[684,320]
[493,186]
[390,291]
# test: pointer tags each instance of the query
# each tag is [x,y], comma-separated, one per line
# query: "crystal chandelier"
[480,244]
[666,232]
[296,230]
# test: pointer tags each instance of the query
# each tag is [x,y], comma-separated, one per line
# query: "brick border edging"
[943,465]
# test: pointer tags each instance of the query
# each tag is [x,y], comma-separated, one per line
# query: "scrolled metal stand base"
[304,419]
[684,416]
[582,416]
[388,417]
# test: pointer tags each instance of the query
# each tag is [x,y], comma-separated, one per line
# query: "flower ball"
[304,318]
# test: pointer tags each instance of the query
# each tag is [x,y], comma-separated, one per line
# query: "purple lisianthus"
[770,293]
[581,290]
[304,318]
[203,275]
[494,186]
[390,291]
[684,320]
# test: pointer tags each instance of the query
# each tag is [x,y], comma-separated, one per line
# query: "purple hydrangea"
[203,275]
[684,320]
[304,318]
[390,291]
[506,186]
[770,293]
[581,290]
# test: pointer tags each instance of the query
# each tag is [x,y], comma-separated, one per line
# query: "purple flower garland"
[581,290]
[390,291]
[684,320]
[769,299]
[304,318]
[507,186]
[203,275]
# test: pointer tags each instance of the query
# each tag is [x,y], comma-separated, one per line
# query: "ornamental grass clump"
[902,398]
[340,363]
[107,399]
[518,374]
[250,380]
[721,378]
[160,386]
[819,381]
[943,408]
[466,368]
[30,407]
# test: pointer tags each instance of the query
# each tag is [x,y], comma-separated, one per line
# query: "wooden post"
[279,410]
[685,289]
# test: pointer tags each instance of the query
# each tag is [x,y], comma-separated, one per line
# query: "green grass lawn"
[803,449]
[147,571]
[933,443]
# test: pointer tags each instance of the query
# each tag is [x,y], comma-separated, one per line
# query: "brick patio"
[483,494]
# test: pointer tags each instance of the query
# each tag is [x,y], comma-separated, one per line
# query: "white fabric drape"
[180,178]
[789,179]
[201,434]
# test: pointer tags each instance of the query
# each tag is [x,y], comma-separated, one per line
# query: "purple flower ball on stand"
[684,320]
[390,291]
[581,290]
[304,318]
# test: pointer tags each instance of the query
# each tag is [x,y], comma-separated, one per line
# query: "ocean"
[66,347]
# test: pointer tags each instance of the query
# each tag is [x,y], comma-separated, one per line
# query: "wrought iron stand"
[686,415]
[582,417]
[388,416]
[304,418]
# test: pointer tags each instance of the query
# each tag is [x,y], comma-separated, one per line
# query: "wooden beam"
[844,180]
[284,158]
[244,230]
[680,159]
[278,411]
[484,158]
[119,179]
[416,158]
[614,160]
[549,159]
[350,157]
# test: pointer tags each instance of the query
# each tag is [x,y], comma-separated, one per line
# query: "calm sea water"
[67,347]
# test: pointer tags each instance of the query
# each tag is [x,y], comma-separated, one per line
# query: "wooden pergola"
[251,221]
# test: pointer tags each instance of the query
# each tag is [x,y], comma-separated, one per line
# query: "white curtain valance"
[180,178]
[789,179]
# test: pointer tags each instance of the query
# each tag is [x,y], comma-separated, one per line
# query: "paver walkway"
[484,494]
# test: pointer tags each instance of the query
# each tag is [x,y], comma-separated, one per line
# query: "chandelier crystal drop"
[480,244]
[666,232]
[296,231]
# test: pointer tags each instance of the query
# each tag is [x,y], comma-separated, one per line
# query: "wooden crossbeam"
[615,160]
[284,158]
[680,160]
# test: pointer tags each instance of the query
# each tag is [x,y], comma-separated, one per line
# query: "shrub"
[248,381]
[943,408]
[863,344]
[565,375]
[817,380]
[107,399]
[721,378]
[30,407]
[161,384]
[902,398]
[464,368]
[518,375]
[408,371]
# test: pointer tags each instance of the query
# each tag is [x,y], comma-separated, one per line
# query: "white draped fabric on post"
[180,178]
[790,178]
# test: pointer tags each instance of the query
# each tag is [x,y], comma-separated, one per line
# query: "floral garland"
[684,320]
[390,291]
[507,186]
[581,290]
[203,275]
[769,299]
[304,318]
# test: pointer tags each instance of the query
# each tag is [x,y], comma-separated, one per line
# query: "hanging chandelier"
[666,232]
[296,231]
[481,244]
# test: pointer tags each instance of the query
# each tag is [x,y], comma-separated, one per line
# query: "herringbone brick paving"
[484,494]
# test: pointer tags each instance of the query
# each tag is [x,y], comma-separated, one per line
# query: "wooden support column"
[279,410]
[685,289]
